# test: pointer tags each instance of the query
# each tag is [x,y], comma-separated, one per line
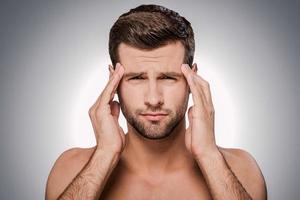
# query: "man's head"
[151,26]
[151,42]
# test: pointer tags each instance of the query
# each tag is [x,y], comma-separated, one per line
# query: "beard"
[154,130]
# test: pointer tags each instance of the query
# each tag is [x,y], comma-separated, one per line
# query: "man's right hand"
[104,116]
[82,174]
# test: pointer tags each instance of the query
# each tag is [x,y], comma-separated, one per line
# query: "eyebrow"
[173,74]
[132,74]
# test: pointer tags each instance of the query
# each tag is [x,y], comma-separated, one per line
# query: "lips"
[154,116]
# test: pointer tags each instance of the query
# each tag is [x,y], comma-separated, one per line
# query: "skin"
[160,159]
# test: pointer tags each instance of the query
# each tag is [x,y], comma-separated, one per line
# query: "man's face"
[153,93]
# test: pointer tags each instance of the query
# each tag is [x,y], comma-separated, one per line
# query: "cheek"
[130,95]
[176,95]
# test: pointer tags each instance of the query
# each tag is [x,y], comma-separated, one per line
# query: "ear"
[111,70]
[194,67]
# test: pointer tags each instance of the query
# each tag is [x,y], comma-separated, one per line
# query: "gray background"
[54,58]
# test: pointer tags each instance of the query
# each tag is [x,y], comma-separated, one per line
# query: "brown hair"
[149,27]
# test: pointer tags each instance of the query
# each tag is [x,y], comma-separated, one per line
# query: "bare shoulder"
[246,169]
[65,169]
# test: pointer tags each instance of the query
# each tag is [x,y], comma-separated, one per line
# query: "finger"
[188,138]
[122,136]
[111,70]
[197,95]
[190,114]
[206,90]
[205,86]
[110,89]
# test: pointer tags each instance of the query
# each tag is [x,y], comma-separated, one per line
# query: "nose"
[153,94]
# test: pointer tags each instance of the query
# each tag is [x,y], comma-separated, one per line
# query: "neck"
[146,156]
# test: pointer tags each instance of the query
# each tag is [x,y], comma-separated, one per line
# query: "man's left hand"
[199,136]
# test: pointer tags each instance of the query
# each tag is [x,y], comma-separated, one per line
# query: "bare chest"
[168,187]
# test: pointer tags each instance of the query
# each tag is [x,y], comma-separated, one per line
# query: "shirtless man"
[152,51]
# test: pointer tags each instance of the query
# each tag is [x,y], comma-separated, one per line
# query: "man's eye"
[142,78]
[137,78]
[167,77]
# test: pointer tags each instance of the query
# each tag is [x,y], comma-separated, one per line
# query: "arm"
[89,183]
[66,180]
[222,176]
[223,183]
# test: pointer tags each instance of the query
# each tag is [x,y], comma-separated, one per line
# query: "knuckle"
[206,84]
[95,114]
[91,111]
[212,110]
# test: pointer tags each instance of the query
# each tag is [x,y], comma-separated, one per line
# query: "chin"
[156,131]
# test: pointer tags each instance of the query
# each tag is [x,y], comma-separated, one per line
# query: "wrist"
[208,155]
[107,155]
[108,150]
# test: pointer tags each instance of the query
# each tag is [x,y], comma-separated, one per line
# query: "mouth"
[154,116]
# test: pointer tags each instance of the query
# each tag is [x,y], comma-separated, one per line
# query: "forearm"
[90,182]
[222,182]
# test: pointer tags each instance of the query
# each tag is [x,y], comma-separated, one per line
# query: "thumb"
[122,135]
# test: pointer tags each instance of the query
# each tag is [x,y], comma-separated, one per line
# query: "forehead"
[165,58]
